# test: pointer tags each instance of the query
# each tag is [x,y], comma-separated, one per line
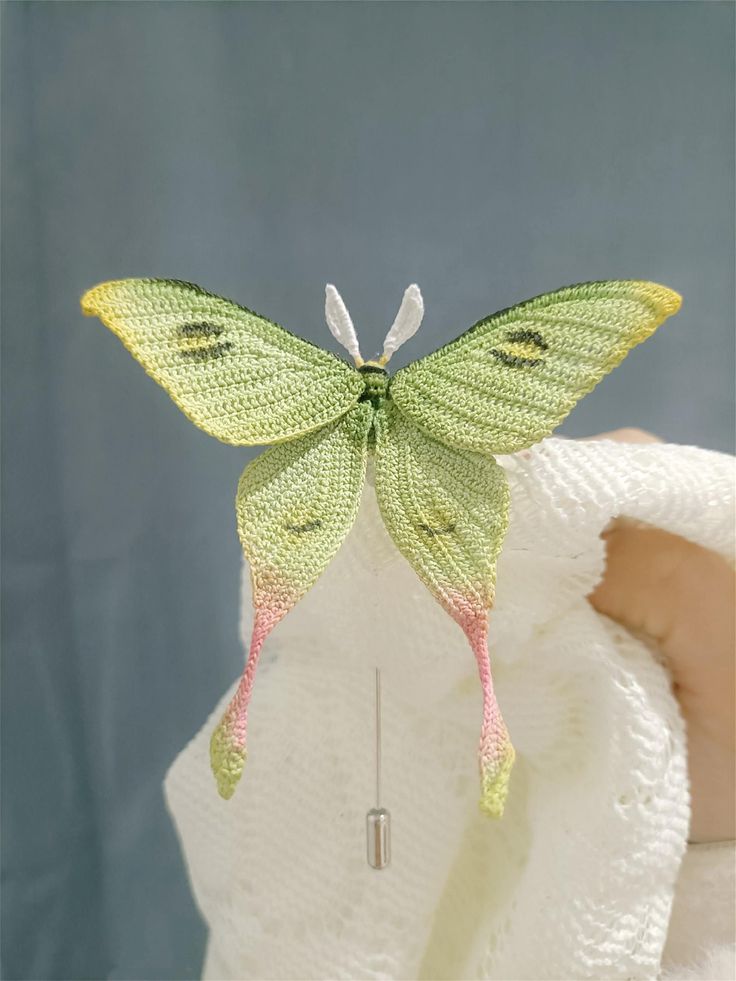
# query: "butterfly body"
[432,429]
[376,381]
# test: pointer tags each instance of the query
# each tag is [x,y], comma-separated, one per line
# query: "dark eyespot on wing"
[532,336]
[200,330]
[200,342]
[206,353]
[306,527]
[513,360]
[521,349]
[440,530]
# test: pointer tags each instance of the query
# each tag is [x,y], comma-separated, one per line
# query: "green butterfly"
[501,386]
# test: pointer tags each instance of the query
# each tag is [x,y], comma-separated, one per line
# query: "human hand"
[682,598]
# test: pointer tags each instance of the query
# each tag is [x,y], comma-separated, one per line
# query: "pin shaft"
[378,737]
[378,819]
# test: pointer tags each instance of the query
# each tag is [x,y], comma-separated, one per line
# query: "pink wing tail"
[228,750]
[495,752]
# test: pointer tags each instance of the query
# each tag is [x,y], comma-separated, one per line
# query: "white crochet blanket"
[577,879]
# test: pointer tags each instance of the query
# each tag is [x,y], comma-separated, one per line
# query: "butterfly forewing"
[235,374]
[512,378]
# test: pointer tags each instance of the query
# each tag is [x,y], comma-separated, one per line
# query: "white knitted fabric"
[700,943]
[577,879]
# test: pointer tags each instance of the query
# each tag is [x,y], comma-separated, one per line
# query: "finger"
[681,597]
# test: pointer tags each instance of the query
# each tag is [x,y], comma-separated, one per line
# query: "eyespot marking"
[530,336]
[521,349]
[200,330]
[434,532]
[306,527]
[199,342]
[205,353]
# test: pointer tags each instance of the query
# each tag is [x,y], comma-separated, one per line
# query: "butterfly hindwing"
[295,504]
[512,378]
[235,374]
[447,512]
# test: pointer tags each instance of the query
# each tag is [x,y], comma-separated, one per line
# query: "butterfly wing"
[513,377]
[295,504]
[447,511]
[235,374]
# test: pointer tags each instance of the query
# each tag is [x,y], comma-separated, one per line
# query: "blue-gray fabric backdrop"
[487,151]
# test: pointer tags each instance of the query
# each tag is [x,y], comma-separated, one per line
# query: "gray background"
[489,152]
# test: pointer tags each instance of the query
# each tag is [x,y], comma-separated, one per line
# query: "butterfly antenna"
[340,323]
[406,323]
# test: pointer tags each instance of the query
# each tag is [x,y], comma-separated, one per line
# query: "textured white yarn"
[577,879]
[407,321]
[701,939]
[340,322]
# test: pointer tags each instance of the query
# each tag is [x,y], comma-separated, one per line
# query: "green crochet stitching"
[500,387]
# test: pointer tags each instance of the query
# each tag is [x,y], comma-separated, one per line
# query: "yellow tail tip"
[494,785]
[227,762]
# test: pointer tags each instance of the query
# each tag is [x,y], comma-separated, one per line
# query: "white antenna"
[406,324]
[340,324]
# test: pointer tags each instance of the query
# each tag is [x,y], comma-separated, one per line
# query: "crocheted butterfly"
[432,428]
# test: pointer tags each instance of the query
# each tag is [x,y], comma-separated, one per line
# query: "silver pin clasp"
[378,827]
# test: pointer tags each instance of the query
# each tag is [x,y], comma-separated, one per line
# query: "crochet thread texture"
[500,387]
